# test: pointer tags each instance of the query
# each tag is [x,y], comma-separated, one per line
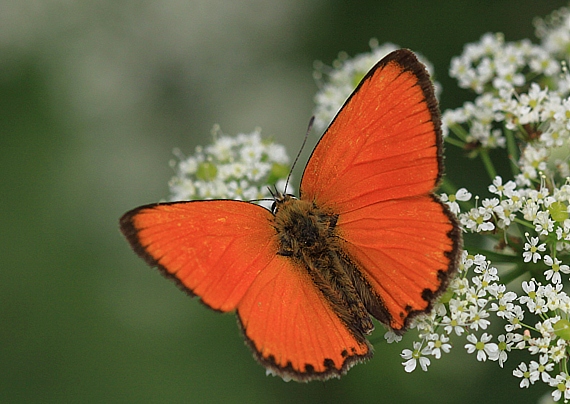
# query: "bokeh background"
[94,95]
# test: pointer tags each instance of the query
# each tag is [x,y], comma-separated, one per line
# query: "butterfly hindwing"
[406,253]
[292,330]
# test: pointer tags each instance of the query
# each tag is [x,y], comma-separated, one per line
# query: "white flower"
[514,316]
[438,343]
[543,223]
[555,268]
[453,325]
[562,384]
[477,220]
[558,351]
[563,233]
[530,289]
[500,189]
[451,200]
[478,318]
[532,249]
[539,345]
[539,370]
[390,337]
[415,356]
[483,347]
[522,371]
[505,305]
[504,347]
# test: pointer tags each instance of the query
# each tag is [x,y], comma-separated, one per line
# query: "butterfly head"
[280,199]
[302,226]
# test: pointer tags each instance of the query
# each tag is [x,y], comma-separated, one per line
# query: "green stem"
[448,187]
[513,151]
[455,142]
[523,223]
[484,153]
[459,131]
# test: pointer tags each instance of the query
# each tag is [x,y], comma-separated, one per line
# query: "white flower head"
[418,355]
[232,167]
[533,249]
[484,348]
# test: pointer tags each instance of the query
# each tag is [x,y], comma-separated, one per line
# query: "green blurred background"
[94,95]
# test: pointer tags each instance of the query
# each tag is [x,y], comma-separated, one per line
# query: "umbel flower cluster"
[515,286]
[522,105]
[233,167]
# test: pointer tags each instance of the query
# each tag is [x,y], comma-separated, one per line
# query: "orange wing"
[408,248]
[225,252]
[292,329]
[214,249]
[384,144]
[376,167]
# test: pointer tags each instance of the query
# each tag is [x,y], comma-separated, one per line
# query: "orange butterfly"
[367,237]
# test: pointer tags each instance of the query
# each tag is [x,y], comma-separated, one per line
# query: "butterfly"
[367,237]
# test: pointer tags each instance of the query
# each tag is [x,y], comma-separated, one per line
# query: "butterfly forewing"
[384,144]
[214,249]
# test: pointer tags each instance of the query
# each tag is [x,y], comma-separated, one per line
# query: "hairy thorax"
[303,228]
[308,235]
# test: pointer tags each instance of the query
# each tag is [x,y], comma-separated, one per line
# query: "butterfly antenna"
[262,199]
[300,150]
[272,193]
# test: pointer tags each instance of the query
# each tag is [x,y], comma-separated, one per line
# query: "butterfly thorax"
[303,228]
[307,234]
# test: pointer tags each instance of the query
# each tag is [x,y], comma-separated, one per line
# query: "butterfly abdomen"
[307,234]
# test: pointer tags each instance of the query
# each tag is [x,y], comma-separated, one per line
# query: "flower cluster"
[235,167]
[522,103]
[519,87]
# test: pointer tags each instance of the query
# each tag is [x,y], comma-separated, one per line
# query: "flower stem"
[513,151]
[455,142]
[448,187]
[484,153]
